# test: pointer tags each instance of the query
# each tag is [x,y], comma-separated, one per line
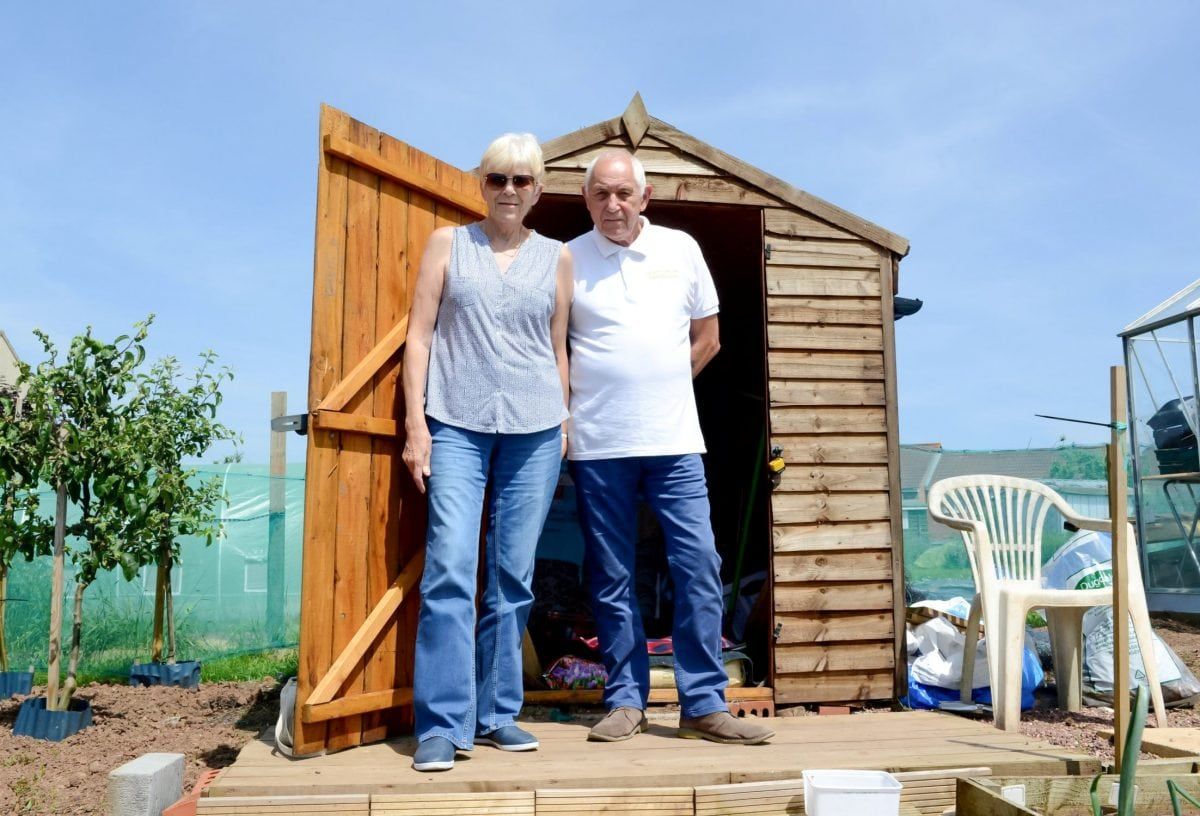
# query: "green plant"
[1129,760]
[77,431]
[177,422]
[23,531]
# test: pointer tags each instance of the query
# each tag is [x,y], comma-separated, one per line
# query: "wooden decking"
[896,742]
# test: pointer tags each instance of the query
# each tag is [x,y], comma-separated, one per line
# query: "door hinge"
[291,422]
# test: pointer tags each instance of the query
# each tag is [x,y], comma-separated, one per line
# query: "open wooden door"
[378,200]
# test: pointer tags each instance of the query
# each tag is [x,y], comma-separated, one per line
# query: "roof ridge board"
[777,187]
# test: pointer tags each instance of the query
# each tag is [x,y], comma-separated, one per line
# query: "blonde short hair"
[639,172]
[512,150]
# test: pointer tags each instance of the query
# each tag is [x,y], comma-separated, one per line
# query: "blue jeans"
[523,469]
[674,487]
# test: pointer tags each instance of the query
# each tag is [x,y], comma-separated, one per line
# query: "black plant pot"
[15,682]
[33,720]
[185,674]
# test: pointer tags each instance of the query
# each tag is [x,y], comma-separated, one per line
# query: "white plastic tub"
[841,793]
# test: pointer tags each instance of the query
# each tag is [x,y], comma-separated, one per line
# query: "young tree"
[23,531]
[177,423]
[81,428]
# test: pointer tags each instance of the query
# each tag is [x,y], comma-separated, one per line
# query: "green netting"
[220,591]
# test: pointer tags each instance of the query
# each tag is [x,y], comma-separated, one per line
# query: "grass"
[247,666]
[251,666]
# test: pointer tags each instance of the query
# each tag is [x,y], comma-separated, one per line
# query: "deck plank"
[896,742]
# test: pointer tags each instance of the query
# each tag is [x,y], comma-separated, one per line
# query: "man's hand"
[417,449]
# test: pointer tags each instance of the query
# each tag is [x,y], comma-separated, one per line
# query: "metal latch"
[291,422]
[767,251]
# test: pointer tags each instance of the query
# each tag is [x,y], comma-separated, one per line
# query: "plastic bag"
[1085,562]
[923,695]
[936,657]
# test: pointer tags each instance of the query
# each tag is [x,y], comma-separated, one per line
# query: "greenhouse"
[1164,383]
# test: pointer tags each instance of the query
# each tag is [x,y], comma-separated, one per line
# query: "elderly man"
[643,324]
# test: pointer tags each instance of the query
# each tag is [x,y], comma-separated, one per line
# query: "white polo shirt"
[631,350]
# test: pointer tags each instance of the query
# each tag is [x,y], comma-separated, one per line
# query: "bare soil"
[210,725]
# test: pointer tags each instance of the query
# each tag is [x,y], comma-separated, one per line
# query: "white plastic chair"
[1001,519]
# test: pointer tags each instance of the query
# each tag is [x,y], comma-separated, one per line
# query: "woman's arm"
[564,293]
[421,318]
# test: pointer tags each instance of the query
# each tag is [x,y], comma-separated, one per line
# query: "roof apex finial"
[635,120]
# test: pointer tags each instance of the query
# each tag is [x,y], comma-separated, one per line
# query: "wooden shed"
[807,362]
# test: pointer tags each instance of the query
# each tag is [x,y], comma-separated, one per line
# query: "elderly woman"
[485,381]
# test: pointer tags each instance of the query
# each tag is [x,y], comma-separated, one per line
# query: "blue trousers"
[674,486]
[523,469]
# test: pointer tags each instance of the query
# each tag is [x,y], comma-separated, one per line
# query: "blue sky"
[1041,158]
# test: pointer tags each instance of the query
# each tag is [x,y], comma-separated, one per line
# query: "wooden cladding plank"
[848,597]
[833,478]
[390,553]
[354,462]
[870,565]
[833,687]
[840,450]
[804,508]
[814,365]
[833,657]
[787,393]
[707,189]
[809,628]
[325,368]
[887,270]
[833,536]
[823,253]
[368,158]
[828,420]
[783,279]
[789,222]
[824,338]
[823,311]
[658,160]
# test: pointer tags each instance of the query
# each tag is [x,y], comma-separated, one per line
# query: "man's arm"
[706,342]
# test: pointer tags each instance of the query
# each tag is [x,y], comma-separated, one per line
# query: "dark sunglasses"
[498,181]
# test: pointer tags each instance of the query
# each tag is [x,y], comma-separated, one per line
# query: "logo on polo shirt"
[662,273]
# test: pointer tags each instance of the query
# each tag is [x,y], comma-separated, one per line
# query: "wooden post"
[276,524]
[1117,511]
[56,598]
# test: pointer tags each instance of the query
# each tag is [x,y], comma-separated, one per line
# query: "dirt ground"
[208,726]
[211,724]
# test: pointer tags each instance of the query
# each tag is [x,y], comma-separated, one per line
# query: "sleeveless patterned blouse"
[491,362]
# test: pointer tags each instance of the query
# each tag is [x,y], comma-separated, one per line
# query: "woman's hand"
[563,455]
[417,448]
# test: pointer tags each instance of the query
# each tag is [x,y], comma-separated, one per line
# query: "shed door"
[378,200]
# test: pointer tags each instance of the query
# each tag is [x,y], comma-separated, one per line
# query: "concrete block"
[145,786]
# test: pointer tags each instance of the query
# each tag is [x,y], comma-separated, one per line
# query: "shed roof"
[635,124]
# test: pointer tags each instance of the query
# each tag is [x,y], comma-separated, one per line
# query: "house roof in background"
[1027,463]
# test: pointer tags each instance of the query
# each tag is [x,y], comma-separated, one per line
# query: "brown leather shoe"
[618,724]
[721,726]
